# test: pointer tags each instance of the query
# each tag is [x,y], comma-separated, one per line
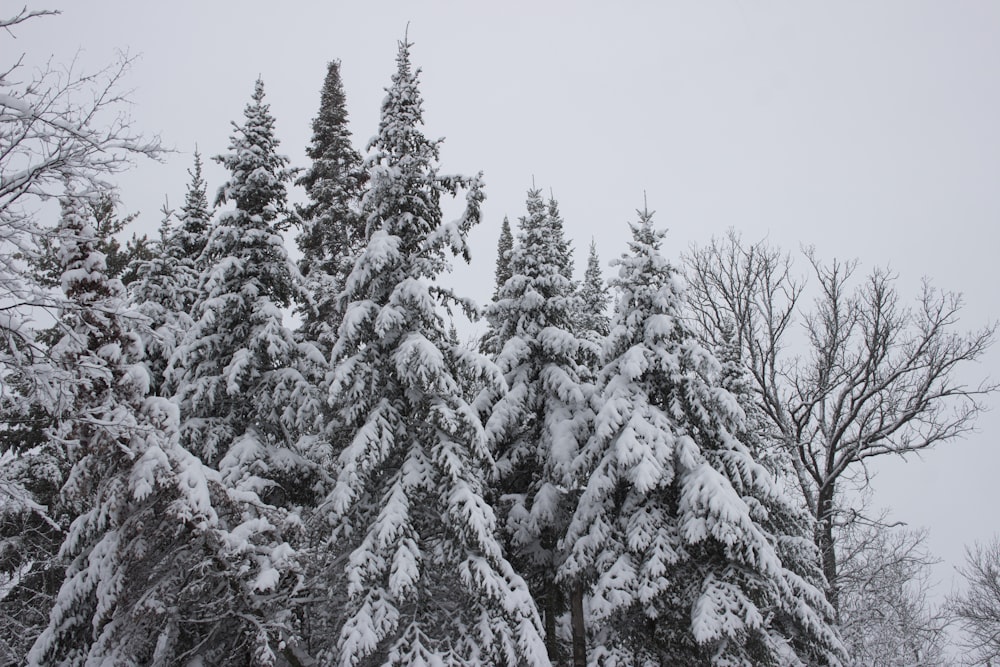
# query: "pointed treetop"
[258,172]
[505,245]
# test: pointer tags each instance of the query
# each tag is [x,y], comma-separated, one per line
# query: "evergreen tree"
[536,426]
[247,410]
[672,529]
[425,578]
[166,285]
[153,576]
[102,211]
[556,227]
[595,295]
[333,230]
[195,218]
[505,245]
[238,372]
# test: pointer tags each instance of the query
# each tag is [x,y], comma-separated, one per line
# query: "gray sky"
[868,130]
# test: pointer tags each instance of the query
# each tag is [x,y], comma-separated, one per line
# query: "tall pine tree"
[505,246]
[671,532]
[426,579]
[333,229]
[245,402]
[535,427]
[166,286]
[594,293]
[153,575]
[247,409]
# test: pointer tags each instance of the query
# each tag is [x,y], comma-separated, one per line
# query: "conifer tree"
[425,577]
[558,231]
[152,576]
[166,286]
[195,217]
[671,532]
[333,230]
[595,295]
[239,372]
[536,426]
[505,245]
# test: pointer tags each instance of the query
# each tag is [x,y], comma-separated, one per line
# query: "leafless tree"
[976,610]
[886,617]
[864,376]
[57,124]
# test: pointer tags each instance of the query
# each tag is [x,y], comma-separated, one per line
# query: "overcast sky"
[869,130]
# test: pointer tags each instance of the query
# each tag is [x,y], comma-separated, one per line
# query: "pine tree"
[247,410]
[558,231]
[671,532]
[414,541]
[166,284]
[238,372]
[195,218]
[505,245]
[147,557]
[333,230]
[594,293]
[536,426]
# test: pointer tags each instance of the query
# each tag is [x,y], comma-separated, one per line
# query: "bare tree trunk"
[579,626]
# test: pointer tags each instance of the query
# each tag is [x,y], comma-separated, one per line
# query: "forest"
[219,450]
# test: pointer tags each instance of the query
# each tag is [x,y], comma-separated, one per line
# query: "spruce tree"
[672,531]
[536,426]
[166,285]
[557,228]
[238,373]
[413,541]
[247,409]
[595,295]
[505,245]
[153,575]
[333,230]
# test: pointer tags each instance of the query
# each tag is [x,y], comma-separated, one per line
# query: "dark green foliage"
[333,230]
[505,245]
[594,321]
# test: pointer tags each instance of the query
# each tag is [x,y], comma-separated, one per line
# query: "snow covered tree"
[565,248]
[671,530]
[246,408]
[245,403]
[161,567]
[887,618]
[52,127]
[595,297]
[166,285]
[195,219]
[536,426]
[333,229]
[977,608]
[413,541]
[505,245]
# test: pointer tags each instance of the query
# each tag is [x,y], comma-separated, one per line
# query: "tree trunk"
[551,606]
[824,540]
[579,626]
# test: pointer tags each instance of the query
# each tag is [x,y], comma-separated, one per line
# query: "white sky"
[870,130]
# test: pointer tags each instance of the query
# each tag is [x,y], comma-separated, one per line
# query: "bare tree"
[57,124]
[976,610]
[868,377]
[886,618]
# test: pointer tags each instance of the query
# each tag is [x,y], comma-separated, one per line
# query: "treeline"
[633,473]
